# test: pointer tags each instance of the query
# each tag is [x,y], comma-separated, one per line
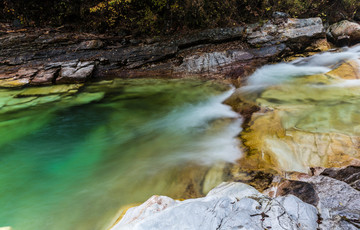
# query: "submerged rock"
[299,123]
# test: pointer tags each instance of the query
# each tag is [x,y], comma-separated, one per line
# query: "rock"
[215,53]
[290,30]
[278,14]
[349,175]
[299,123]
[339,203]
[55,89]
[303,190]
[349,70]
[211,36]
[210,62]
[14,83]
[45,77]
[319,45]
[345,30]
[75,72]
[228,206]
[91,44]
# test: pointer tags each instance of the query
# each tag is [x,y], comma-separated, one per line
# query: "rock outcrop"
[43,57]
[324,203]
[228,206]
[337,202]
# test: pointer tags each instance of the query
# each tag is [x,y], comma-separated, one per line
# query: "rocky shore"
[316,187]
[45,57]
[300,155]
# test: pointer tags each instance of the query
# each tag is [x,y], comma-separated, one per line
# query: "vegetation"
[165,16]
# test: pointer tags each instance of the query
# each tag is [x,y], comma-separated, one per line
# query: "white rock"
[292,28]
[228,206]
[338,202]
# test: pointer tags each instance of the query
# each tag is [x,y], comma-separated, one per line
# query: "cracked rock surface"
[228,206]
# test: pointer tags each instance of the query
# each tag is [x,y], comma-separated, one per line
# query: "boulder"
[345,32]
[228,206]
[339,203]
[75,72]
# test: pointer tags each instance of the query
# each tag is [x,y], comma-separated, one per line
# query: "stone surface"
[45,77]
[212,53]
[339,203]
[350,175]
[91,44]
[293,122]
[345,30]
[74,72]
[210,62]
[228,206]
[287,30]
[304,191]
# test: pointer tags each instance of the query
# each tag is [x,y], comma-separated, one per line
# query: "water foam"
[317,64]
[212,126]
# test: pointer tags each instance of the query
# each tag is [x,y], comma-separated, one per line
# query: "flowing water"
[70,160]
[71,156]
[310,111]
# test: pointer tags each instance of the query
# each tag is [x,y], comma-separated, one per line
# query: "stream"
[71,156]
[70,162]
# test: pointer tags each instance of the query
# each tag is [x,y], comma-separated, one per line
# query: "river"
[67,165]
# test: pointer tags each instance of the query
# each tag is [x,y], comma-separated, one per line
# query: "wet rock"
[303,190]
[45,77]
[19,78]
[345,32]
[349,70]
[228,206]
[75,72]
[260,179]
[319,45]
[290,30]
[55,89]
[349,175]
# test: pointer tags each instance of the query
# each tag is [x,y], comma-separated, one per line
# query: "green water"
[72,159]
